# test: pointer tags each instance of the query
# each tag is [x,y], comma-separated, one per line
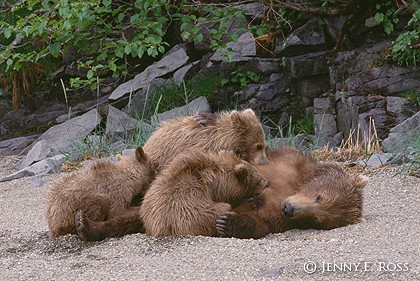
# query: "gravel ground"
[383,247]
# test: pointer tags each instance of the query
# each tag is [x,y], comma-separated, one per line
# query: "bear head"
[327,204]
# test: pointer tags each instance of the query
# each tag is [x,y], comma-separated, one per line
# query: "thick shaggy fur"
[100,192]
[303,193]
[191,192]
[240,132]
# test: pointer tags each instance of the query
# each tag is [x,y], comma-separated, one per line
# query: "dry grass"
[354,148]
[21,83]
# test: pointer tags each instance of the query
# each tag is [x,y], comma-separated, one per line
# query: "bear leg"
[239,226]
[128,222]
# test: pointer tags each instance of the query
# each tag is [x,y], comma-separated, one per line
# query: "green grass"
[166,97]
[289,133]
[413,95]
[411,165]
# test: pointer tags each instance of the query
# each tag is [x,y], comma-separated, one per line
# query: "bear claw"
[222,225]
[200,119]
[81,226]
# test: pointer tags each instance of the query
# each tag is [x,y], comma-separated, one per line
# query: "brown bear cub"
[238,131]
[303,193]
[102,191]
[192,191]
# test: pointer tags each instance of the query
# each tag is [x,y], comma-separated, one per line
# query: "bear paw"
[82,226]
[205,119]
[255,202]
[224,225]
[85,230]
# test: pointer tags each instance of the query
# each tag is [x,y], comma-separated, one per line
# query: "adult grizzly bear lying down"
[238,131]
[186,198]
[102,191]
[303,193]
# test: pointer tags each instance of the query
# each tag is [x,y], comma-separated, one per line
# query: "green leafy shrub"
[385,15]
[241,78]
[109,36]
[406,48]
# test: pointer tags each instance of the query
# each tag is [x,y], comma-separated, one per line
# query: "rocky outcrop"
[174,59]
[344,91]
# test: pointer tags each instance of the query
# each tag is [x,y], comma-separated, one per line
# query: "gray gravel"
[383,247]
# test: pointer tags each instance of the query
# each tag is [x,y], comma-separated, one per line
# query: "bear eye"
[318,198]
[259,146]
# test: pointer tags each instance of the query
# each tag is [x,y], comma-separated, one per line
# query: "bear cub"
[101,191]
[191,192]
[237,131]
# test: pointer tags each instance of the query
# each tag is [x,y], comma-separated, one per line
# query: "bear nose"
[288,209]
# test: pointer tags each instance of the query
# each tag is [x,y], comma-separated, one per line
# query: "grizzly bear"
[303,193]
[101,191]
[238,131]
[191,192]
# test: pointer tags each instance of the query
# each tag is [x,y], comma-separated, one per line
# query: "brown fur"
[303,193]
[102,191]
[194,189]
[240,132]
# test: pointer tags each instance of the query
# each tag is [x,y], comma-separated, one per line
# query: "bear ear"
[140,155]
[249,112]
[119,157]
[361,181]
[241,172]
[238,119]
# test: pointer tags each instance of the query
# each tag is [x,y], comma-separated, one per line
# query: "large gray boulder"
[16,145]
[120,125]
[243,49]
[308,38]
[385,80]
[308,64]
[198,105]
[173,60]
[46,166]
[403,138]
[61,138]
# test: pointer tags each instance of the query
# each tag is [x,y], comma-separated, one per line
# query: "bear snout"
[288,209]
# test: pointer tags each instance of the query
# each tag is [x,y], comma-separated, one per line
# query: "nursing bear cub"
[102,191]
[303,193]
[191,192]
[238,131]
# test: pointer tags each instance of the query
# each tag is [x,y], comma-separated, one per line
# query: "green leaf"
[134,18]
[134,51]
[121,17]
[127,49]
[9,63]
[161,49]
[89,74]
[186,35]
[199,37]
[112,66]
[54,49]
[140,53]
[119,52]
[379,17]
[106,3]
[7,33]
[388,27]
